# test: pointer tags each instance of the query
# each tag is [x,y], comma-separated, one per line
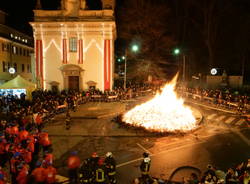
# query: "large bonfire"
[164,113]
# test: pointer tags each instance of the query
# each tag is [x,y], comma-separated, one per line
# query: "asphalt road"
[218,141]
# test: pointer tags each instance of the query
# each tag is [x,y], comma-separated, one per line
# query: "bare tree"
[207,18]
[145,22]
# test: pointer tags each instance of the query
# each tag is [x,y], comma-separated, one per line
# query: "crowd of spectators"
[26,150]
[240,174]
[227,98]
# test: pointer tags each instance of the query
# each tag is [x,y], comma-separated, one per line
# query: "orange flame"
[164,113]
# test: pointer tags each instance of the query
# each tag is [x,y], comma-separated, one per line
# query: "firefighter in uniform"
[93,161]
[101,173]
[86,173]
[144,167]
[110,165]
[73,163]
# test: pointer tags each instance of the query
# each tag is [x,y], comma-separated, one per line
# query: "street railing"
[237,106]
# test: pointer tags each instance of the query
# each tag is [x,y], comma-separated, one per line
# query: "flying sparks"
[164,113]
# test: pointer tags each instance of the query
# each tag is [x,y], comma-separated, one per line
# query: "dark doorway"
[54,88]
[94,5]
[74,82]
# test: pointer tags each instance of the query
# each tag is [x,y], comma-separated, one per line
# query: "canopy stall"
[19,84]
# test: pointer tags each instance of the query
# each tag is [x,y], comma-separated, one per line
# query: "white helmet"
[136,181]
[108,154]
[147,159]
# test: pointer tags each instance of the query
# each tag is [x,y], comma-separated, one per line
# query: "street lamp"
[134,48]
[177,52]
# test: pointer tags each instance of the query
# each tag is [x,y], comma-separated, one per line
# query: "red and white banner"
[80,51]
[64,51]
[39,60]
[107,64]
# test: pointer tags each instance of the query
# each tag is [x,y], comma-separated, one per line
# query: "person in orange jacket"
[27,156]
[44,141]
[38,174]
[50,174]
[48,158]
[30,146]
[23,136]
[73,164]
[14,130]
[14,162]
[22,177]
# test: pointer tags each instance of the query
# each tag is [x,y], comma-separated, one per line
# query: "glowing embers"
[164,113]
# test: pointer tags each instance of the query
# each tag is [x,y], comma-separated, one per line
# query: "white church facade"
[74,47]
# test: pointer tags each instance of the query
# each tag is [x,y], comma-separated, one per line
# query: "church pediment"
[70,67]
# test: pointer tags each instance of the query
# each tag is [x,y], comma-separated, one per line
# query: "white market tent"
[20,83]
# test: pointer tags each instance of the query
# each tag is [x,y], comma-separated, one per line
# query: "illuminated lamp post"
[134,48]
[177,52]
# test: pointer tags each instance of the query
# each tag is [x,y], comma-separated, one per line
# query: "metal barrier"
[217,101]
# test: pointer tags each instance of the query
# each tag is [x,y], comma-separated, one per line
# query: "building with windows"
[74,46]
[16,51]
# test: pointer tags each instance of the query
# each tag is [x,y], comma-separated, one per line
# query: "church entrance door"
[74,82]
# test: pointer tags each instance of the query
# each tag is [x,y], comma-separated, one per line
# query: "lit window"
[4,47]
[14,49]
[73,44]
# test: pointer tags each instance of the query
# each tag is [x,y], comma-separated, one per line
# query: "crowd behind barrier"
[26,152]
[220,98]
[25,149]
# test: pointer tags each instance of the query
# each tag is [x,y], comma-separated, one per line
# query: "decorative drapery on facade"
[107,65]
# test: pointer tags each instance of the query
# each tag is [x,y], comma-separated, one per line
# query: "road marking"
[144,148]
[61,178]
[165,151]
[220,118]
[129,162]
[230,120]
[173,149]
[243,137]
[211,116]
[239,122]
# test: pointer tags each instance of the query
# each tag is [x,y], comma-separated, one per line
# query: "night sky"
[231,46]
[22,12]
